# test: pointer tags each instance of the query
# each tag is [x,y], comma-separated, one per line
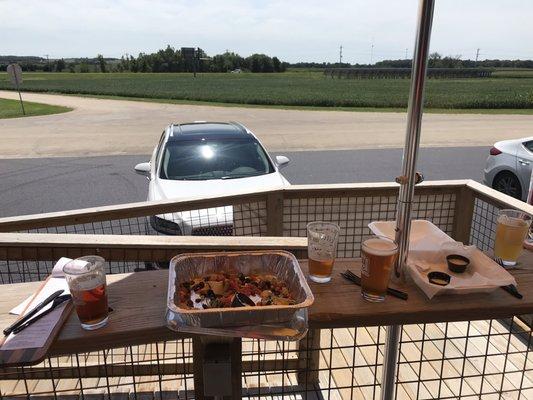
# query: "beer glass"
[86,280]
[378,257]
[322,240]
[511,230]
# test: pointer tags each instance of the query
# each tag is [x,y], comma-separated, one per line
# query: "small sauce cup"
[439,278]
[457,263]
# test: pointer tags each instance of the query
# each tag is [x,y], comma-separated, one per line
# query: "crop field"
[513,90]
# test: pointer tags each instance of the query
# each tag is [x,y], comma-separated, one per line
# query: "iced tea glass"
[86,281]
[322,238]
[511,231]
[378,258]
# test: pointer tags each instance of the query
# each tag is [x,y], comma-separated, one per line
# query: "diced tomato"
[233,285]
[247,290]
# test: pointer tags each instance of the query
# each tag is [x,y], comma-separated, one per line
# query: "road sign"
[191,54]
[188,52]
[15,74]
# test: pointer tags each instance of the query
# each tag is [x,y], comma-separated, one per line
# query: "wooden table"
[139,303]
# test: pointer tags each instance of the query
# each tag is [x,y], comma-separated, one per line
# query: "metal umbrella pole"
[407,181]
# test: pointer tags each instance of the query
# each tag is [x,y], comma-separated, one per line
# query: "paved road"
[105,127]
[53,184]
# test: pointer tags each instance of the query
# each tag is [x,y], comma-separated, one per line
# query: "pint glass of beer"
[511,231]
[378,257]
[322,238]
[87,284]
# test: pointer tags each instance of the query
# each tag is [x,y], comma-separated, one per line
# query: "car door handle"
[523,162]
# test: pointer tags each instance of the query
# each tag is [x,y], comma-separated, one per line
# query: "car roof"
[207,130]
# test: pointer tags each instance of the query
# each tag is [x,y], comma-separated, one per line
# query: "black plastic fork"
[511,289]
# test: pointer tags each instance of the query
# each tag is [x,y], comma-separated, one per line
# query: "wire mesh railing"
[470,359]
[460,360]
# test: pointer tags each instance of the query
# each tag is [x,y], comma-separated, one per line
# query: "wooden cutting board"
[29,355]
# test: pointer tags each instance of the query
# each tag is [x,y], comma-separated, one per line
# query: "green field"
[11,109]
[512,90]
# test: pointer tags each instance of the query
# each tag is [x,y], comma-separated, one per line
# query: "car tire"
[507,182]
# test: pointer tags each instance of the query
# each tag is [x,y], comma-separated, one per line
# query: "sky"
[293,30]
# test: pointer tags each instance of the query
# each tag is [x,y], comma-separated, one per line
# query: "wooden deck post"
[275,214]
[464,212]
[309,357]
[217,366]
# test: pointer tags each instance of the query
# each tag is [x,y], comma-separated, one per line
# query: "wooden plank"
[497,198]
[142,209]
[369,189]
[34,355]
[136,321]
[127,210]
[135,247]
[24,240]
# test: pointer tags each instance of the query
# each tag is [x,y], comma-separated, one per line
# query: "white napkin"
[482,275]
[56,282]
[37,334]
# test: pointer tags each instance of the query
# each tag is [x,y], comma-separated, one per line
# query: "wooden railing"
[452,205]
[464,209]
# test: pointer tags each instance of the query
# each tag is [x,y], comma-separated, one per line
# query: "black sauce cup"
[457,263]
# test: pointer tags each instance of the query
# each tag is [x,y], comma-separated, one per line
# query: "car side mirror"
[282,161]
[143,169]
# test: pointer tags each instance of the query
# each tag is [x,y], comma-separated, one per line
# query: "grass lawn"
[12,109]
[512,91]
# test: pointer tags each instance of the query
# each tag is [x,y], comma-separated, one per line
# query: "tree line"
[164,60]
[172,60]
[436,60]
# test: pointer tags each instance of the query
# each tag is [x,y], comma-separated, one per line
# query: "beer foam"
[380,247]
[512,221]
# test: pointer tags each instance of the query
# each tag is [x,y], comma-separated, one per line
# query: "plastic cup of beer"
[378,257]
[322,238]
[511,230]
[86,281]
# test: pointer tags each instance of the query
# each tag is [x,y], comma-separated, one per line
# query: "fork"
[511,289]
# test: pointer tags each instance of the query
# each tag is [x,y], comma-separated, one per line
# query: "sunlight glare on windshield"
[207,151]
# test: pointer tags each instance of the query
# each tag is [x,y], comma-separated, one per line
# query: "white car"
[508,167]
[207,159]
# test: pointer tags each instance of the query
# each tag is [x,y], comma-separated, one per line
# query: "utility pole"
[406,53]
[340,56]
[371,52]
[48,61]
[477,54]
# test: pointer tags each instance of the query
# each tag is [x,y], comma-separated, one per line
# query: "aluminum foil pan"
[287,322]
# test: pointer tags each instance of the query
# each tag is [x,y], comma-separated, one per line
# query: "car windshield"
[212,159]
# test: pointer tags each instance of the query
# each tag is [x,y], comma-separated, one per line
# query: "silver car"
[508,167]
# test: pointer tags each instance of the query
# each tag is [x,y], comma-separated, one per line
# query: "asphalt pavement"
[37,185]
